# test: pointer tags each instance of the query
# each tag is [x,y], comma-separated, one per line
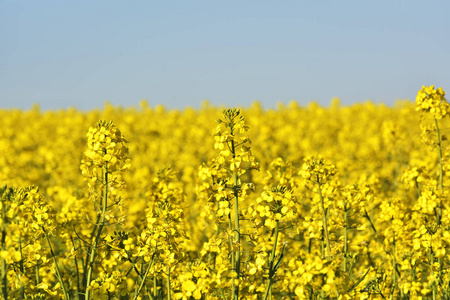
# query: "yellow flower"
[433,101]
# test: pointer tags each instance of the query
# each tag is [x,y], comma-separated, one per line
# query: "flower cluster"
[317,171]
[235,154]
[164,229]
[413,176]
[354,197]
[106,147]
[35,211]
[109,284]
[276,204]
[27,223]
[433,101]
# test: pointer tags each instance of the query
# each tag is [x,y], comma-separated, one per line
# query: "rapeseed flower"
[432,101]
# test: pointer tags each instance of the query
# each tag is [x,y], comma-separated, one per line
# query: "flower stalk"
[237,236]
[272,268]
[58,272]
[105,157]
[441,170]
[99,231]
[324,220]
[345,237]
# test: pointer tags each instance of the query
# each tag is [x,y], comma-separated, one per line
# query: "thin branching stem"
[77,270]
[233,256]
[237,237]
[345,237]
[99,230]
[58,273]
[271,263]
[36,271]
[432,273]
[168,282]
[143,278]
[441,170]
[325,227]
[394,266]
[441,184]
[22,270]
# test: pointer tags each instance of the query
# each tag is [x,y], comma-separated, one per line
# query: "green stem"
[441,170]
[431,268]
[322,245]
[155,285]
[271,261]
[325,227]
[366,215]
[76,266]
[237,233]
[237,236]
[345,237]
[36,270]
[143,280]
[394,266]
[21,267]
[88,252]
[168,282]
[432,273]
[140,277]
[99,231]
[418,189]
[222,294]
[441,183]
[233,258]
[58,273]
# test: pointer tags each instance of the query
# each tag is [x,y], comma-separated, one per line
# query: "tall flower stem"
[394,266]
[37,278]
[99,230]
[432,273]
[58,273]
[22,269]
[76,267]
[237,236]
[272,268]
[88,253]
[168,282]
[234,159]
[325,227]
[441,170]
[345,237]
[441,182]
[155,283]
[143,278]
[233,258]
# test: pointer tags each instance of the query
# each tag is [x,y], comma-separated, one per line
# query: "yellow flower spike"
[104,147]
[433,101]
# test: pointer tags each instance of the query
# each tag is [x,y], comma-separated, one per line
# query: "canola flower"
[193,218]
[226,187]
[432,101]
[103,162]
[318,173]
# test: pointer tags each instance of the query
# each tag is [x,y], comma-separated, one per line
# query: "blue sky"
[178,53]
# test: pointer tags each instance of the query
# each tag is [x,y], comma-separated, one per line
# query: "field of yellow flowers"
[338,202]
